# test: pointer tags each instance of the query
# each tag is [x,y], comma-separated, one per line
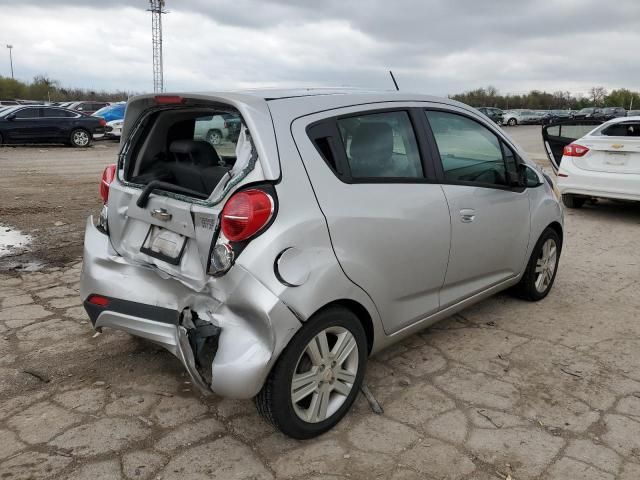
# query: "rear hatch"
[172,183]
[614,148]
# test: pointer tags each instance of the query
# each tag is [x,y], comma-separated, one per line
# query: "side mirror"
[529,178]
[11,116]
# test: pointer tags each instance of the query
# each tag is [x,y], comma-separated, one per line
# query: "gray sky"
[433,46]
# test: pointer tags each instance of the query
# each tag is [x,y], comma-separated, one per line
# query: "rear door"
[558,135]
[615,148]
[490,219]
[372,174]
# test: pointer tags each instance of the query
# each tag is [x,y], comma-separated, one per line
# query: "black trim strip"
[135,309]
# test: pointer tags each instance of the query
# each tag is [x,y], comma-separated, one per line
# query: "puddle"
[12,240]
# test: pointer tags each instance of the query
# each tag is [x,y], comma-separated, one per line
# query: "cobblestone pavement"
[506,388]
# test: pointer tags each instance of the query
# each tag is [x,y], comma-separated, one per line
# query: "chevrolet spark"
[338,223]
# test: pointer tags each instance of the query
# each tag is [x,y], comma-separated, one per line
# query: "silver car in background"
[521,117]
[339,223]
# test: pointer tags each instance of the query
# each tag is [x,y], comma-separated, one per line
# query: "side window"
[28,113]
[575,131]
[469,151]
[381,145]
[53,113]
[626,129]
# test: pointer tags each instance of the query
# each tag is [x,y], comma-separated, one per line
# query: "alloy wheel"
[546,265]
[80,138]
[325,374]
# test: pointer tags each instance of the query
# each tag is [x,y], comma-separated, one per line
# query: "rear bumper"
[622,186]
[254,324]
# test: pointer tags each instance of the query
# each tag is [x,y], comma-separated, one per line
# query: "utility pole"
[10,47]
[156,7]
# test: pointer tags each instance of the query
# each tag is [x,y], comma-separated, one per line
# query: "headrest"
[372,140]
[199,151]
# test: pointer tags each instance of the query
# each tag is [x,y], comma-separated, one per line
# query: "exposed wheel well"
[362,314]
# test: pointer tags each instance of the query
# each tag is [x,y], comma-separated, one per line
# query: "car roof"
[347,96]
[623,119]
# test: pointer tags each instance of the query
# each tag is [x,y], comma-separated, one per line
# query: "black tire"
[526,288]
[571,201]
[274,401]
[80,138]
[1,139]
[214,137]
[512,122]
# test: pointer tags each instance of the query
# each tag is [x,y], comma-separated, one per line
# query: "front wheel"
[80,138]
[316,379]
[512,122]
[541,270]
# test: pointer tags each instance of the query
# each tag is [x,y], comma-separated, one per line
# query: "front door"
[490,222]
[387,218]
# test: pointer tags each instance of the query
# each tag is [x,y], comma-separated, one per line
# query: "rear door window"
[470,152]
[381,145]
[575,131]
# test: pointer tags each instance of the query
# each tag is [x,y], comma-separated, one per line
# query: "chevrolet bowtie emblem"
[617,145]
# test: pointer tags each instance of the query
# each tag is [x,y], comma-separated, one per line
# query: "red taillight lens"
[168,99]
[245,214]
[107,177]
[103,122]
[574,150]
[98,300]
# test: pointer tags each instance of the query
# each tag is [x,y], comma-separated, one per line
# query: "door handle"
[467,215]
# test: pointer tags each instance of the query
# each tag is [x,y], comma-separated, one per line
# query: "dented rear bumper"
[250,324]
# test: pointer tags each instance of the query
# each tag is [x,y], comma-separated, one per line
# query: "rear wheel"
[541,270]
[214,137]
[571,201]
[80,138]
[316,379]
[512,122]
[1,139]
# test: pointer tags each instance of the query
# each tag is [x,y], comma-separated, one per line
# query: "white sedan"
[605,162]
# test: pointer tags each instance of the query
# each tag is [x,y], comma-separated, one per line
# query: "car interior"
[165,150]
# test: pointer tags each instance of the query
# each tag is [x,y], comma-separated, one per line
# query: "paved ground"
[507,388]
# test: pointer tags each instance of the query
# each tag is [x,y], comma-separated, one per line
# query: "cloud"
[432,46]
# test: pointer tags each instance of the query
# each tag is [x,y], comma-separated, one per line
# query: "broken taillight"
[107,177]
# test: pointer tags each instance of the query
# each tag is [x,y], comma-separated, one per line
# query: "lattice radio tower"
[156,7]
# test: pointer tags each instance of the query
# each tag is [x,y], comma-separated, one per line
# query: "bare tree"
[597,95]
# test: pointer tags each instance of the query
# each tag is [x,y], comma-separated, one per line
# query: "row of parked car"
[78,123]
[545,117]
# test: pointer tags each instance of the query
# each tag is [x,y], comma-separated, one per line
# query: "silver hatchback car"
[338,223]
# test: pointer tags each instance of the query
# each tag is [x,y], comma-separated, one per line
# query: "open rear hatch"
[173,174]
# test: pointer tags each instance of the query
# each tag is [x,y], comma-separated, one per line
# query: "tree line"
[540,100]
[44,88]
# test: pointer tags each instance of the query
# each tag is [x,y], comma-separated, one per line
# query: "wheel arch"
[359,311]
[558,229]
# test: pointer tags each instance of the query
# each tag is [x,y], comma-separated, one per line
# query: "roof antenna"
[394,80]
